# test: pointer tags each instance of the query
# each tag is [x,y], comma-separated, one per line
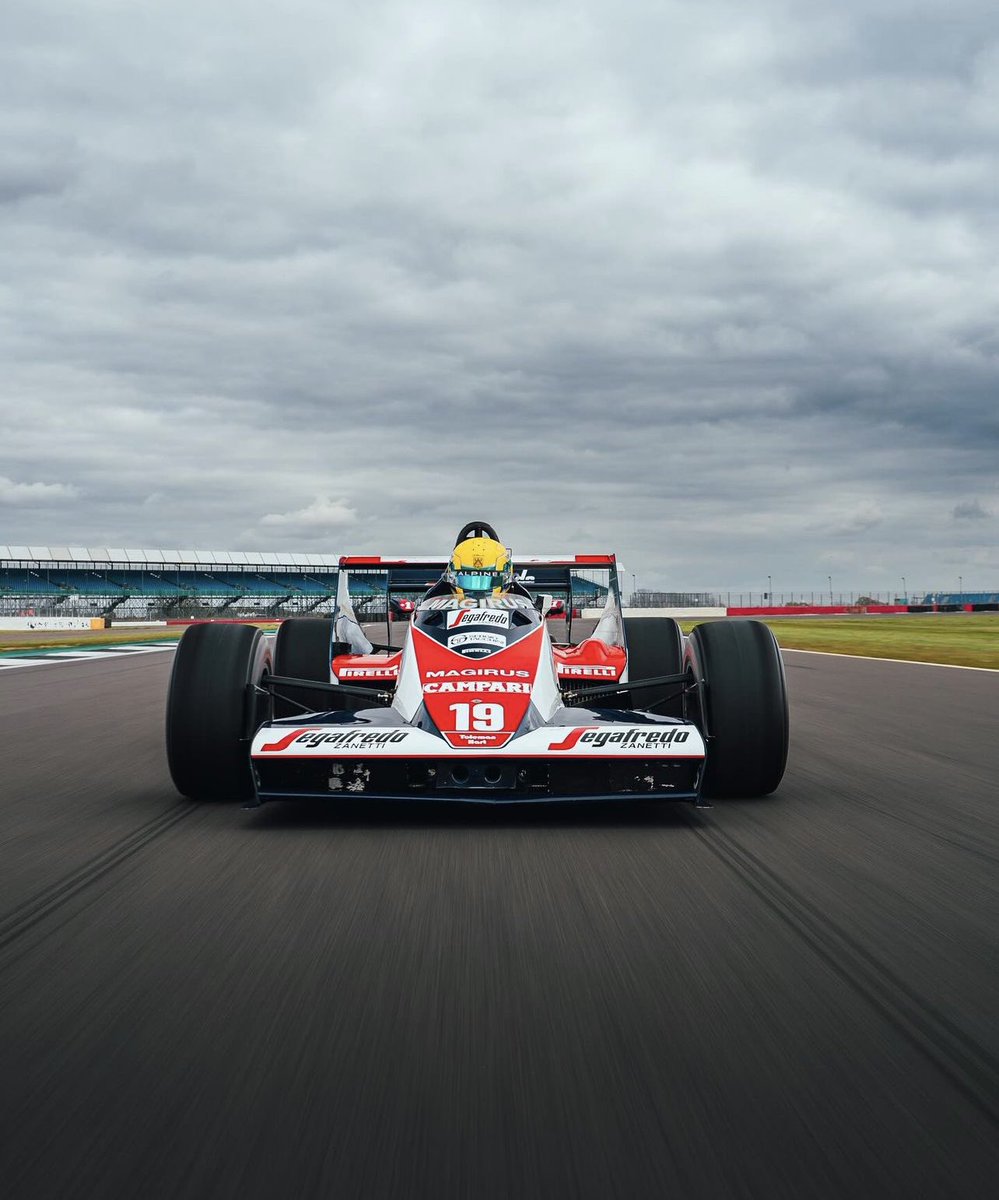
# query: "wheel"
[739,705]
[303,650]
[211,714]
[655,647]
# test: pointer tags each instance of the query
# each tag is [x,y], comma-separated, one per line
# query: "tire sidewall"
[207,719]
[739,705]
[303,650]
[655,647]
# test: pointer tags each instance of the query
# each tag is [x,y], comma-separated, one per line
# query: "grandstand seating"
[88,583]
[21,582]
[960,598]
[258,585]
[307,585]
[133,588]
[141,583]
[152,583]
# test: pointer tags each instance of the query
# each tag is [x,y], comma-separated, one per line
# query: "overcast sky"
[712,285]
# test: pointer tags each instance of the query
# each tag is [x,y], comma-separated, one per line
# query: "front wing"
[599,760]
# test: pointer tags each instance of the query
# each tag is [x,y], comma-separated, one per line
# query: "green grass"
[83,638]
[77,639]
[962,639]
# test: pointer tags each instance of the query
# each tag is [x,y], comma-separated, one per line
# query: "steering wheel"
[476,529]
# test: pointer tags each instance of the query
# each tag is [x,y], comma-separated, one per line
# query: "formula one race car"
[480,703]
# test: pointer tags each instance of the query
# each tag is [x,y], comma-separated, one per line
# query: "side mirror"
[545,603]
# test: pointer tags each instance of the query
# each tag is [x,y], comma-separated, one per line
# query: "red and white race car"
[479,703]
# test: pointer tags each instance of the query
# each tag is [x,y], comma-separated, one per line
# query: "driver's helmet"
[479,567]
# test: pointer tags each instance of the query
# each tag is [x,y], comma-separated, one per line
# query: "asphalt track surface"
[793,997]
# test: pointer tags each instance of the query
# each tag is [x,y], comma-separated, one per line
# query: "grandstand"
[982,600]
[124,584]
[169,584]
[139,584]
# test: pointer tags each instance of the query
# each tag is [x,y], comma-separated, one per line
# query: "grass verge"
[73,639]
[959,639]
[65,639]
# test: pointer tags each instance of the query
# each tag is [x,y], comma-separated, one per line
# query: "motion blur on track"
[785,997]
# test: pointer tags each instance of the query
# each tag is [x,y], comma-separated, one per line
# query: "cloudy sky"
[713,285]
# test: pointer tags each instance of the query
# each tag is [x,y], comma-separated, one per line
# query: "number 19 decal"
[482,717]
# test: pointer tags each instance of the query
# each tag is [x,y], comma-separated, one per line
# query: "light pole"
[829,577]
[770,589]
[905,594]
[960,585]
[634,589]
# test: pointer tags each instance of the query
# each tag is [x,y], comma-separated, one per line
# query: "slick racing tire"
[303,651]
[210,712]
[739,705]
[655,647]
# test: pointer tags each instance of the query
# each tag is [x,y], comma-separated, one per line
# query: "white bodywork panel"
[403,741]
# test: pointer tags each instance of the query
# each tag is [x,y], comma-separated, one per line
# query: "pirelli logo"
[367,673]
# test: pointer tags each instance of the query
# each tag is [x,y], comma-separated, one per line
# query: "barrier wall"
[793,610]
[817,610]
[686,614]
[223,621]
[52,623]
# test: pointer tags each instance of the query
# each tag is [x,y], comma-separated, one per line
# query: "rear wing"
[562,575]
[548,573]
[435,563]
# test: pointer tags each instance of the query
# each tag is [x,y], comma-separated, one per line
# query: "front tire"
[211,713]
[739,705]
[655,647]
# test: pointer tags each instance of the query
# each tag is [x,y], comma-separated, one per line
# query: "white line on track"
[912,662]
[69,655]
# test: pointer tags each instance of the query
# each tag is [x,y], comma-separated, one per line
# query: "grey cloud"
[322,515]
[714,286]
[24,177]
[34,493]
[970,510]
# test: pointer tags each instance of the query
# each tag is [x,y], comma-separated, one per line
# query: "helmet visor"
[478,581]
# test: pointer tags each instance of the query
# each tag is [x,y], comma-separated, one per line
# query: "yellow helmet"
[480,566]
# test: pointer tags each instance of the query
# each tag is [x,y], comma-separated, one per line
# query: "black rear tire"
[303,650]
[740,706]
[655,647]
[210,712]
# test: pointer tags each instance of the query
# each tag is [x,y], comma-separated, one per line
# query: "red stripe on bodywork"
[590,653]
[285,742]
[376,665]
[572,739]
